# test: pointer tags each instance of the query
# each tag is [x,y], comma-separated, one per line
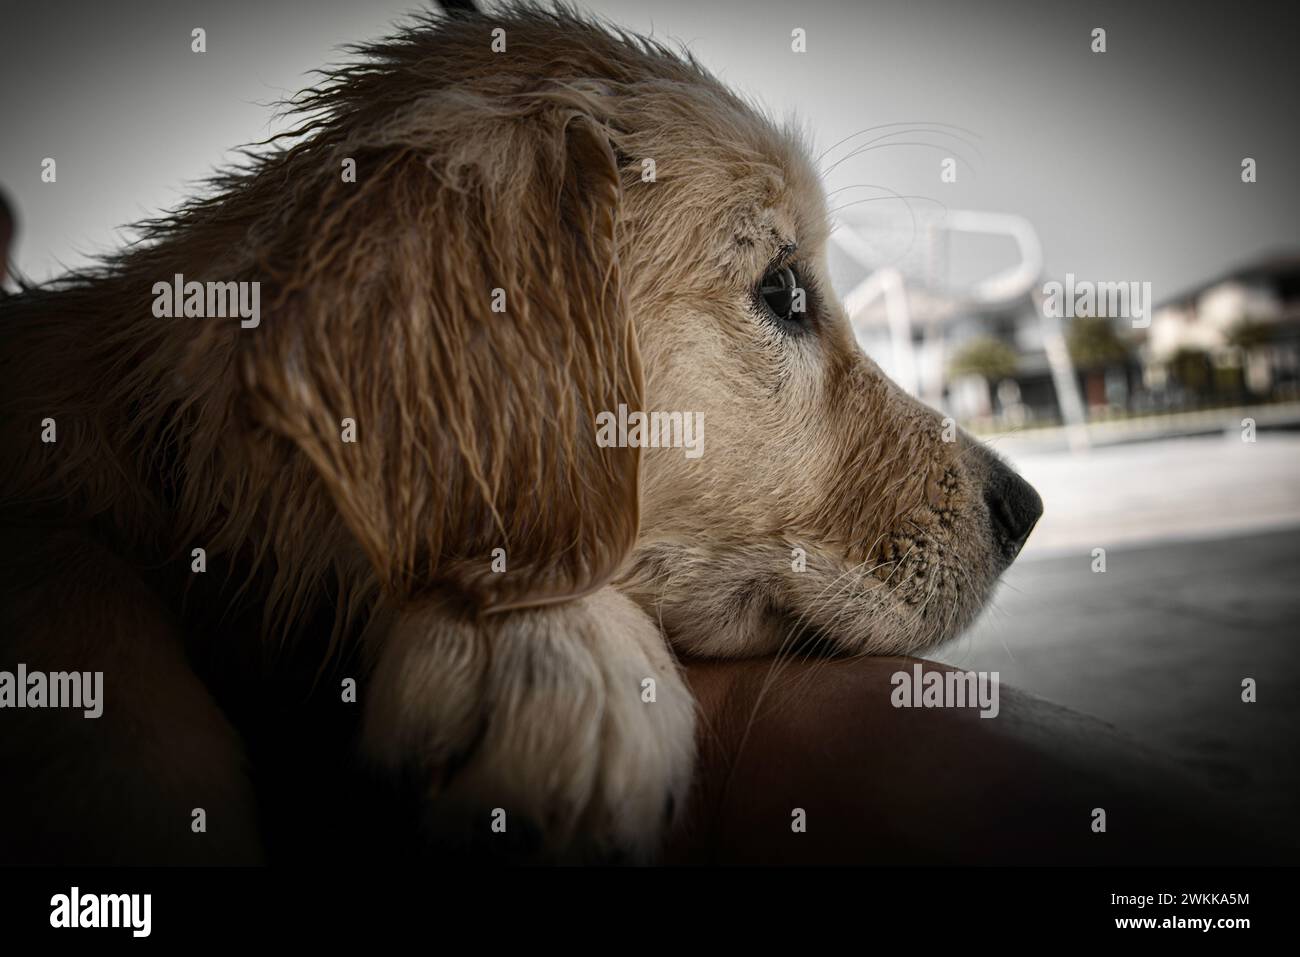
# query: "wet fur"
[476,171]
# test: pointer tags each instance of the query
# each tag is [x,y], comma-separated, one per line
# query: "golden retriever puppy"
[513,367]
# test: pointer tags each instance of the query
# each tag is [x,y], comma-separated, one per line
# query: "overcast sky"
[1127,163]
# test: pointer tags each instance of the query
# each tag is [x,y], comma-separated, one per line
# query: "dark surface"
[882,785]
[879,785]
[1158,645]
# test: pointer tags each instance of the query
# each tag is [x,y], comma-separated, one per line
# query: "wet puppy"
[494,247]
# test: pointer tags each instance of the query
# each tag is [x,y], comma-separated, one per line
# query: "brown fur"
[480,171]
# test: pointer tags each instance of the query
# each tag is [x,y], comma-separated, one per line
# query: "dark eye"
[780,293]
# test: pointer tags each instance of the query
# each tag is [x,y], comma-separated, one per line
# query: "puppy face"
[826,502]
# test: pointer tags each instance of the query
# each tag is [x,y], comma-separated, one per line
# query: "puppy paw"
[551,734]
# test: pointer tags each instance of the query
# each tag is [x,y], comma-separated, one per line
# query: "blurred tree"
[1192,369]
[1094,344]
[1249,333]
[990,359]
[1250,336]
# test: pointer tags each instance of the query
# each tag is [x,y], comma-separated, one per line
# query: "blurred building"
[982,351]
[1237,333]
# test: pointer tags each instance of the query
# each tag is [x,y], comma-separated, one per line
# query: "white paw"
[529,733]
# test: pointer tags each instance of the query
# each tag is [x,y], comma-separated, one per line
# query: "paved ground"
[1176,489]
[1159,643]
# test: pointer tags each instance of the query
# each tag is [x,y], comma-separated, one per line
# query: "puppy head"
[499,277]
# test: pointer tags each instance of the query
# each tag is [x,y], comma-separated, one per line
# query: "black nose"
[1014,508]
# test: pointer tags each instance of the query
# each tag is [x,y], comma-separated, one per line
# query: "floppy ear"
[461,302]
